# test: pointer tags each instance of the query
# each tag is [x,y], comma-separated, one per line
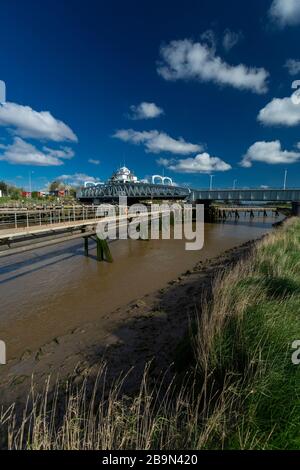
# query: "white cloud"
[76,179]
[293,66]
[23,153]
[268,152]
[202,163]
[155,141]
[230,39]
[285,12]
[93,161]
[280,112]
[26,122]
[145,110]
[186,60]
[63,152]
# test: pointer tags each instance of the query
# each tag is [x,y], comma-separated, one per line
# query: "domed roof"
[123,170]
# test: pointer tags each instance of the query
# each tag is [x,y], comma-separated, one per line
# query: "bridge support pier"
[86,246]
[296,209]
[210,214]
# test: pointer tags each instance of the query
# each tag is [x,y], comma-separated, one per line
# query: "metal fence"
[13,219]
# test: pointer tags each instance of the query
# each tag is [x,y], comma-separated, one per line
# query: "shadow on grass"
[276,287]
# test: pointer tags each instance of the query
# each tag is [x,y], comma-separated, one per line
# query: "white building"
[123,175]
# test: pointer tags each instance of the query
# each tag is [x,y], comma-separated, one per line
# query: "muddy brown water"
[47,293]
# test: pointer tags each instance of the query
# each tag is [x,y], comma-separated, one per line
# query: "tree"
[54,186]
[14,192]
[3,187]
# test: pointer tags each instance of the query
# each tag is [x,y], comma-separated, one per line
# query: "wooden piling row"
[224,213]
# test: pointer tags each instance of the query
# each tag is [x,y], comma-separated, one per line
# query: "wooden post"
[86,246]
[99,250]
[103,251]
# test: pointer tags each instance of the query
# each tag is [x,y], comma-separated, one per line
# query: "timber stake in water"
[103,251]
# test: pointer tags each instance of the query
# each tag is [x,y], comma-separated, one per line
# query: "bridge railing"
[44,217]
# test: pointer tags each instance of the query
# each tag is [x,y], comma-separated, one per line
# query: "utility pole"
[30,186]
[285,179]
[211,182]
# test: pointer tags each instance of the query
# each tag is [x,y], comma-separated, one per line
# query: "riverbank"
[62,311]
[235,384]
[147,329]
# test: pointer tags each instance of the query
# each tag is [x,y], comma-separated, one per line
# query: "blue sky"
[189,88]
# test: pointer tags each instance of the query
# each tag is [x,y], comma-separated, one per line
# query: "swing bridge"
[25,229]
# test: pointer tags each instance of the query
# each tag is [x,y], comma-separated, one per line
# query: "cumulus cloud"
[26,122]
[23,153]
[93,161]
[280,112]
[156,142]
[293,66]
[63,152]
[187,60]
[230,39]
[76,179]
[202,163]
[268,152]
[285,12]
[145,110]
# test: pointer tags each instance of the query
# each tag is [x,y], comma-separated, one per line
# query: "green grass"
[255,344]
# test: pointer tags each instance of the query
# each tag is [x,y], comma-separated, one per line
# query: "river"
[47,293]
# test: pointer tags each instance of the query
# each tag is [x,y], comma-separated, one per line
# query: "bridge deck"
[40,230]
[36,230]
[33,246]
[257,195]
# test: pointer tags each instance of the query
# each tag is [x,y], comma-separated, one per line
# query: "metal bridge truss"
[132,190]
[112,191]
[259,195]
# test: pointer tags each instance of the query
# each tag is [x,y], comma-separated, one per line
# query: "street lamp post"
[234,184]
[211,182]
[285,179]
[30,185]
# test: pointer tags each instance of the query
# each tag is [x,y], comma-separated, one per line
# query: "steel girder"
[133,190]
